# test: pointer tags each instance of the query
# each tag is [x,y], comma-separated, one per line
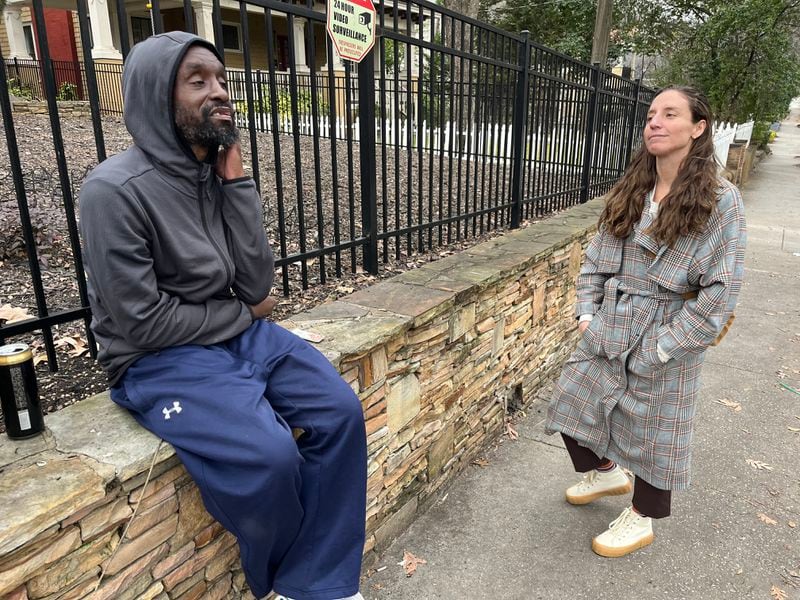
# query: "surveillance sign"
[351,26]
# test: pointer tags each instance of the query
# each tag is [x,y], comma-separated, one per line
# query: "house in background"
[20,49]
[18,37]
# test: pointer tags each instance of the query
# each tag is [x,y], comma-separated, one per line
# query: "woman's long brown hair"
[688,205]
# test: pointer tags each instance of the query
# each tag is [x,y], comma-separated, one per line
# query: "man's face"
[203,111]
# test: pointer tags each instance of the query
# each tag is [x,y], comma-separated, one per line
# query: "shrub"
[67,91]
[761,133]
[18,89]
[284,103]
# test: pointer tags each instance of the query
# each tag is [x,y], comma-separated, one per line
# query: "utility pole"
[602,30]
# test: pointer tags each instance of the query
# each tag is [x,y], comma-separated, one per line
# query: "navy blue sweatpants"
[296,508]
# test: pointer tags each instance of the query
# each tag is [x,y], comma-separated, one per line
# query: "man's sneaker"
[628,532]
[596,484]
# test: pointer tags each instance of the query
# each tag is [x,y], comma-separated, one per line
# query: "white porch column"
[103,43]
[414,51]
[16,34]
[300,45]
[204,14]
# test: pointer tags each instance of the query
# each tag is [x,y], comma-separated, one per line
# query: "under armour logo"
[176,408]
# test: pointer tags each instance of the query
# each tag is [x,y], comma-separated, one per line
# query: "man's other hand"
[264,308]
[229,162]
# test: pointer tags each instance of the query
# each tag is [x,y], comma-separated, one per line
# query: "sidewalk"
[504,531]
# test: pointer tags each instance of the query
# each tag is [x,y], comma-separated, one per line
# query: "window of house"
[141,28]
[231,37]
[282,53]
[29,45]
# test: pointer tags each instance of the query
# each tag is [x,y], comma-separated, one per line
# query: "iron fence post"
[588,143]
[369,184]
[61,160]
[519,126]
[632,125]
[91,80]
[188,17]
[122,21]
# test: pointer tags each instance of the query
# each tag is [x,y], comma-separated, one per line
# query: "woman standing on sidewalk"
[658,284]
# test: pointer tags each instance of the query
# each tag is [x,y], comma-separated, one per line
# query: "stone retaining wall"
[72,108]
[436,355]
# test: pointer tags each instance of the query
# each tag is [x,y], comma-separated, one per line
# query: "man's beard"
[204,132]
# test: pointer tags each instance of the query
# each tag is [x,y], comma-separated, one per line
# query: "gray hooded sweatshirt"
[173,254]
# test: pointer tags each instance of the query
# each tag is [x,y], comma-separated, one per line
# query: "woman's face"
[670,130]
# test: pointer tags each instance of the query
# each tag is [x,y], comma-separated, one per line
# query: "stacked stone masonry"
[437,355]
[73,108]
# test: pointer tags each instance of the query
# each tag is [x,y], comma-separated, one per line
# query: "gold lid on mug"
[13,354]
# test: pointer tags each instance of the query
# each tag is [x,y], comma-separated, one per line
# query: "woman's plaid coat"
[615,396]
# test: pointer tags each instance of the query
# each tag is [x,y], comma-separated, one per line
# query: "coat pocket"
[643,359]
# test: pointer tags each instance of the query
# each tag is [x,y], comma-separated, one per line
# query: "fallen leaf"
[39,357]
[481,462]
[510,431]
[9,313]
[757,464]
[735,406]
[78,345]
[411,562]
[792,524]
[765,519]
[778,594]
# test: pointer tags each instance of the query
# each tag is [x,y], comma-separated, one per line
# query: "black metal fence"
[448,129]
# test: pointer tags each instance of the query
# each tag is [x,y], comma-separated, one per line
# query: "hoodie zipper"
[200,198]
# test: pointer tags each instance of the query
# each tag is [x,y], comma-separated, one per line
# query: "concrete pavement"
[504,531]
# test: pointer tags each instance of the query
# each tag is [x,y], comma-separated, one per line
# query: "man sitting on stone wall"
[180,271]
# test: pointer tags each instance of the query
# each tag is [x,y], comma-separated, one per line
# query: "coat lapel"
[642,238]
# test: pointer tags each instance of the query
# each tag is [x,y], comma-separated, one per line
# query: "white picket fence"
[726,134]
[492,142]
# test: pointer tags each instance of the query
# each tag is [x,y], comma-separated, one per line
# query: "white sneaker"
[628,532]
[596,484]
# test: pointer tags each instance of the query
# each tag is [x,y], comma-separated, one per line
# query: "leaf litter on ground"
[510,431]
[766,519]
[778,594]
[10,314]
[411,562]
[734,406]
[757,464]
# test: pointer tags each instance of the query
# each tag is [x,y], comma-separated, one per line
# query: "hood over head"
[148,84]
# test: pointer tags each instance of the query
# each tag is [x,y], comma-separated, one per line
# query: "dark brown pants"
[647,500]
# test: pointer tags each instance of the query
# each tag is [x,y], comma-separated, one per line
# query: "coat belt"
[625,324]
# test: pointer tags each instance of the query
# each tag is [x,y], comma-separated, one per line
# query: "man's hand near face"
[229,162]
